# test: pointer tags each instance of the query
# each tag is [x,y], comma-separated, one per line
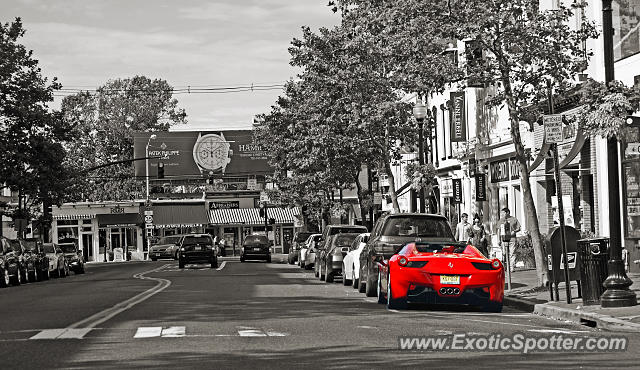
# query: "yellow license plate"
[449,279]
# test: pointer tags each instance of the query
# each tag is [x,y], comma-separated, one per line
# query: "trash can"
[594,255]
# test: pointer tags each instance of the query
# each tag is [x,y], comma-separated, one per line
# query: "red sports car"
[449,273]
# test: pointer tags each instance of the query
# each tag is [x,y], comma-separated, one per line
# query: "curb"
[592,319]
[519,303]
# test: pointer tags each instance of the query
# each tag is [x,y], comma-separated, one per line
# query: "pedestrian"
[508,227]
[462,229]
[478,236]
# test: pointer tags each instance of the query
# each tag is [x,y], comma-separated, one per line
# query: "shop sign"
[514,168]
[457,117]
[116,210]
[481,187]
[252,184]
[504,170]
[457,190]
[224,205]
[447,188]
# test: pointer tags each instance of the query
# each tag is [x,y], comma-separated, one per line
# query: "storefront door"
[87,247]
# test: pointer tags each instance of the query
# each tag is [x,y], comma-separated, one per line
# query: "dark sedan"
[9,264]
[37,262]
[166,247]
[197,248]
[255,247]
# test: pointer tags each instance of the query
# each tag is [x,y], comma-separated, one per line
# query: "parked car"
[392,232]
[351,262]
[17,249]
[165,247]
[306,261]
[196,248]
[37,262]
[255,247]
[296,244]
[73,256]
[58,265]
[334,253]
[449,273]
[331,230]
[9,264]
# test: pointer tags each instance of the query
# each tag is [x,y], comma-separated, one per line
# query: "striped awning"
[251,216]
[73,217]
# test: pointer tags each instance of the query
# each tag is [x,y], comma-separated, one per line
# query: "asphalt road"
[250,315]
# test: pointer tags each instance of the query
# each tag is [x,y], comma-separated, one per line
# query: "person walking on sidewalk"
[462,229]
[478,236]
[509,227]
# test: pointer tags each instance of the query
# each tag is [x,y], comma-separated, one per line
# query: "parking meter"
[505,231]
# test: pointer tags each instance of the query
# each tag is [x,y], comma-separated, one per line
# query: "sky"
[197,43]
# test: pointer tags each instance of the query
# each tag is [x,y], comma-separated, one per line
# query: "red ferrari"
[448,273]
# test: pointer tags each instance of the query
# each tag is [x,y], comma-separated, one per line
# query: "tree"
[31,155]
[104,123]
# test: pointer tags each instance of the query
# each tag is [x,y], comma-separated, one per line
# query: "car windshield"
[343,230]
[256,239]
[169,240]
[434,247]
[68,248]
[30,245]
[344,240]
[48,248]
[418,226]
[188,240]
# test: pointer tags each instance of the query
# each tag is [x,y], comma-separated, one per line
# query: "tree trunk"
[360,199]
[531,214]
[392,185]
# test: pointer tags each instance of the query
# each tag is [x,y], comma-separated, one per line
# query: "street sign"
[633,149]
[553,128]
[148,219]
[264,196]
[148,213]
[377,198]
[149,226]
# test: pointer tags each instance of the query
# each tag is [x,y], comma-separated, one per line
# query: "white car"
[58,264]
[310,254]
[351,262]
[305,248]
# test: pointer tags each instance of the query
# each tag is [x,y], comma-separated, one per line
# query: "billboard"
[201,153]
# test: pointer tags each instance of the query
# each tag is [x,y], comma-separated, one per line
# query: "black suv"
[255,247]
[11,261]
[74,257]
[390,234]
[195,248]
[37,262]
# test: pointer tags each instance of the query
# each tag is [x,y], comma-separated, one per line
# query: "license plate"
[256,249]
[449,279]
[157,254]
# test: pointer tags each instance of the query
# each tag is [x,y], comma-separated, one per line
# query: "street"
[248,315]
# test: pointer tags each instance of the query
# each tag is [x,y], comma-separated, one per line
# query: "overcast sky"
[213,43]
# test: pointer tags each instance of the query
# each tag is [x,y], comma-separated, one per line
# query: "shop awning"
[119,220]
[251,216]
[179,215]
[73,217]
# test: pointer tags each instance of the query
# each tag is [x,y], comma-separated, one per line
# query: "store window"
[626,24]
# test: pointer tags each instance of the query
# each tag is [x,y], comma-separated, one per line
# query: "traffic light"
[272,221]
[633,120]
[160,170]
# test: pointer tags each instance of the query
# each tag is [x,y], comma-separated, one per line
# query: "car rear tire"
[328,277]
[6,279]
[46,275]
[214,264]
[394,303]
[345,281]
[361,285]
[320,272]
[180,264]
[370,288]
[354,280]
[381,298]
[16,280]
[269,259]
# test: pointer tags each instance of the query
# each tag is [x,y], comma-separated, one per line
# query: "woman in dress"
[478,236]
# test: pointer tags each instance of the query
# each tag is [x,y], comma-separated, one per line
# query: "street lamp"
[420,113]
[617,293]
[146,152]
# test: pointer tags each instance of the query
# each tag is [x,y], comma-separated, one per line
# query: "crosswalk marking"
[76,333]
[173,332]
[148,332]
[159,331]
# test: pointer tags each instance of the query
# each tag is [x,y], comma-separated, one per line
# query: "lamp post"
[420,112]
[146,155]
[617,293]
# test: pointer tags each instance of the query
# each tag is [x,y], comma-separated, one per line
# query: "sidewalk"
[527,296]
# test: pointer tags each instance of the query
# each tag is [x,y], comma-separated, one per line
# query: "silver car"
[304,249]
[311,247]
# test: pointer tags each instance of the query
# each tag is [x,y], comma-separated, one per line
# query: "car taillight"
[495,264]
[402,261]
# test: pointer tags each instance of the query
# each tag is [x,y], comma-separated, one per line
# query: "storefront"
[631,199]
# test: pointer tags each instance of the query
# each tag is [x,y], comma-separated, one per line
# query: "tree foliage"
[104,123]
[31,154]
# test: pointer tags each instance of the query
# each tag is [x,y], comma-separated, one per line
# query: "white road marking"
[276,334]
[62,333]
[221,265]
[444,332]
[251,333]
[173,332]
[148,332]
[366,327]
[558,331]
[104,315]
